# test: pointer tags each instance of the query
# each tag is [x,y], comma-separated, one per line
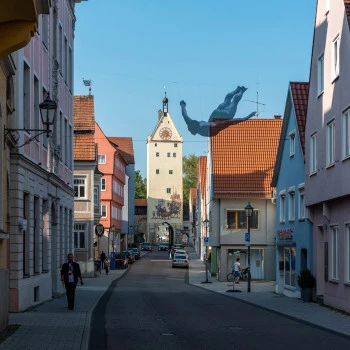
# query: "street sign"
[247,244]
[247,237]
[206,241]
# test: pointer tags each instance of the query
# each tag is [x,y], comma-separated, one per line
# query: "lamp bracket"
[39,132]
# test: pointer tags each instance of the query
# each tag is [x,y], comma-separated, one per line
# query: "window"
[45,30]
[168,154]
[334,253]
[174,155]
[157,171]
[335,57]
[346,133]
[168,190]
[330,143]
[96,196]
[347,253]
[103,211]
[320,74]
[289,266]
[79,187]
[292,143]
[157,154]
[237,220]
[170,172]
[103,184]
[26,96]
[291,205]
[313,159]
[79,236]
[101,158]
[283,207]
[60,44]
[302,208]
[155,145]
[175,144]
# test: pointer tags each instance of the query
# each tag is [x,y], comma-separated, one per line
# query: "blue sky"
[197,50]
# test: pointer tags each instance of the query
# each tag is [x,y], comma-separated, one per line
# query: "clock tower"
[164,181]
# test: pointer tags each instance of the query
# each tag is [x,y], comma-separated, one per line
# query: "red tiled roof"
[202,162]
[125,146]
[300,93]
[84,128]
[140,202]
[347,10]
[243,157]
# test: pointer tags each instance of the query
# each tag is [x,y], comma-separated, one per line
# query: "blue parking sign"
[247,237]
[206,240]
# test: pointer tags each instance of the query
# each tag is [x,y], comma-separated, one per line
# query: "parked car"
[180,260]
[181,252]
[163,246]
[177,250]
[146,246]
[130,255]
[121,261]
[136,252]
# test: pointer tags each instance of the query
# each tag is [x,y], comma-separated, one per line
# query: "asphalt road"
[153,307]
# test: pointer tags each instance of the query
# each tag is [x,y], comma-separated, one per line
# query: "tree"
[140,186]
[189,165]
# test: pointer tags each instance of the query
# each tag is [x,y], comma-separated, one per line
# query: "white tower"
[164,180]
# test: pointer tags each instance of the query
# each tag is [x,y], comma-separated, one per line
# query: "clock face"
[165,133]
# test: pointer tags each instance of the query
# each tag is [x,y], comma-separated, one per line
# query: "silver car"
[180,260]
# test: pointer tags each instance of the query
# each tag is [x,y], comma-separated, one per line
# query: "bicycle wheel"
[230,277]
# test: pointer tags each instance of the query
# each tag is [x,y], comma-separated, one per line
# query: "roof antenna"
[257,102]
[88,83]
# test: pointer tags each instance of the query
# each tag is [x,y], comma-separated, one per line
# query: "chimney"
[277,116]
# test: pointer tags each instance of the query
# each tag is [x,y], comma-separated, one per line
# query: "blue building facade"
[293,229]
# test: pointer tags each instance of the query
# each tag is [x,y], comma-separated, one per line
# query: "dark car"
[163,246]
[131,256]
[136,252]
[121,261]
[146,246]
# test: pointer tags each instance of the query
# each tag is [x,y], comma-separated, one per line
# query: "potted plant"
[306,282]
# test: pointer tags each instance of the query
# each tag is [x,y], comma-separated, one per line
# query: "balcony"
[19,22]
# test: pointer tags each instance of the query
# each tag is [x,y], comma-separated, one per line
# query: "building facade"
[41,164]
[293,228]
[164,181]
[327,152]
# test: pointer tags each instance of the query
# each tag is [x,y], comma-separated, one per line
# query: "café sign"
[285,234]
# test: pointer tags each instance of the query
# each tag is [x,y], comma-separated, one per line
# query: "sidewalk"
[52,326]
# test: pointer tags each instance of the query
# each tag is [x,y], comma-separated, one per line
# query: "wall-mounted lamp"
[47,112]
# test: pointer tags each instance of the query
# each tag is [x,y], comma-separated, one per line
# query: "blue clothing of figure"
[222,114]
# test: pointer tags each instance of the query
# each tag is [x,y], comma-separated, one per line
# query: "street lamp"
[249,212]
[206,223]
[47,112]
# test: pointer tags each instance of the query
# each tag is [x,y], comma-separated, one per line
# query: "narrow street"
[153,307]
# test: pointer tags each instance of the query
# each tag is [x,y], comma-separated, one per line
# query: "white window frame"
[80,182]
[313,153]
[291,204]
[104,210]
[334,253]
[346,133]
[289,266]
[292,143]
[330,143]
[335,57]
[101,159]
[347,230]
[103,184]
[301,202]
[80,228]
[320,74]
[282,195]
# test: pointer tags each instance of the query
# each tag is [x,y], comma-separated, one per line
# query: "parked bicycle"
[243,276]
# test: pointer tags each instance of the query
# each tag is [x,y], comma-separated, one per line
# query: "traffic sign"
[206,240]
[247,237]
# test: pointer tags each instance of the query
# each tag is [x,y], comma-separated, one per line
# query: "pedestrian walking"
[102,257]
[237,270]
[70,273]
[106,265]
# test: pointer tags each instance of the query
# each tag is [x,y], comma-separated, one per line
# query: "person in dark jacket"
[70,273]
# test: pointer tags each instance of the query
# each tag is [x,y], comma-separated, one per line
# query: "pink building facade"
[40,172]
[327,152]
